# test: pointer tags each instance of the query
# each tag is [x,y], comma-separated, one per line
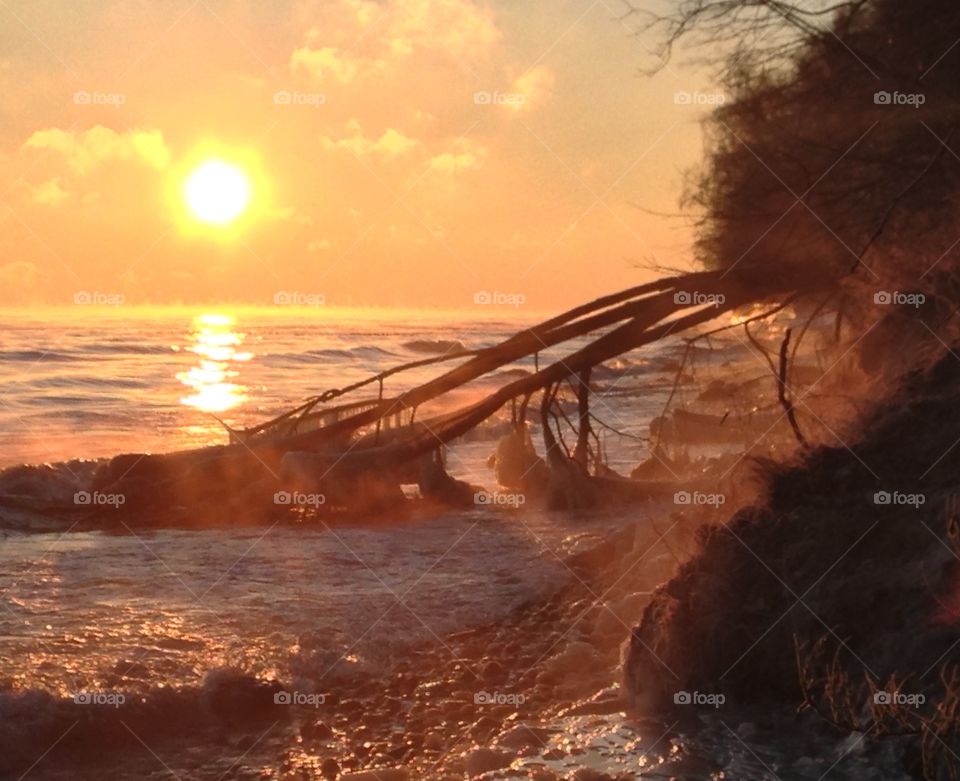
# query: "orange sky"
[408,153]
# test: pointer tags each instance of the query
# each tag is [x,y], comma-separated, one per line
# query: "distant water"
[97,386]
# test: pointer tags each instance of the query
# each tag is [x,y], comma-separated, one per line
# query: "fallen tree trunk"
[253,462]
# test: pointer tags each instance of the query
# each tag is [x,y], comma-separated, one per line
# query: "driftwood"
[344,448]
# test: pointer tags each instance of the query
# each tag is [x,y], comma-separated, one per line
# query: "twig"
[782,391]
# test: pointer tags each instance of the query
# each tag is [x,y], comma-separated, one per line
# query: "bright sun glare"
[217,192]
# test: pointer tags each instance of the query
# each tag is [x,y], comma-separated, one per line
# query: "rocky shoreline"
[474,702]
[837,593]
[533,696]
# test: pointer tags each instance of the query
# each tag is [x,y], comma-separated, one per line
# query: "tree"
[832,158]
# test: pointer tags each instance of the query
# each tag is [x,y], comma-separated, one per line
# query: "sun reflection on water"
[212,337]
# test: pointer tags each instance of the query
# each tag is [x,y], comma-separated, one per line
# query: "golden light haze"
[399,153]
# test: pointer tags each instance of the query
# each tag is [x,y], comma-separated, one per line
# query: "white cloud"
[49,193]
[87,150]
[361,37]
[392,143]
[536,85]
[465,155]
[323,63]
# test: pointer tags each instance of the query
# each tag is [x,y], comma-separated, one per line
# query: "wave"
[364,353]
[48,482]
[31,356]
[510,374]
[82,723]
[121,414]
[73,381]
[82,352]
[121,348]
[434,346]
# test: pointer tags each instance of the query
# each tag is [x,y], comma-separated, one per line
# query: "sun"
[217,192]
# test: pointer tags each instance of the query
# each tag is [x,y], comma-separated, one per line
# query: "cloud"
[392,143]
[88,150]
[460,27]
[364,37]
[536,85]
[449,163]
[323,63]
[49,193]
[468,156]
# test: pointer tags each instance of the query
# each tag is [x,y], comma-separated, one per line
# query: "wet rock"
[603,703]
[523,736]
[494,672]
[576,658]
[237,698]
[485,760]
[542,774]
[330,769]
[351,707]
[379,774]
[398,753]
[127,669]
[433,719]
[484,727]
[316,730]
[589,774]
